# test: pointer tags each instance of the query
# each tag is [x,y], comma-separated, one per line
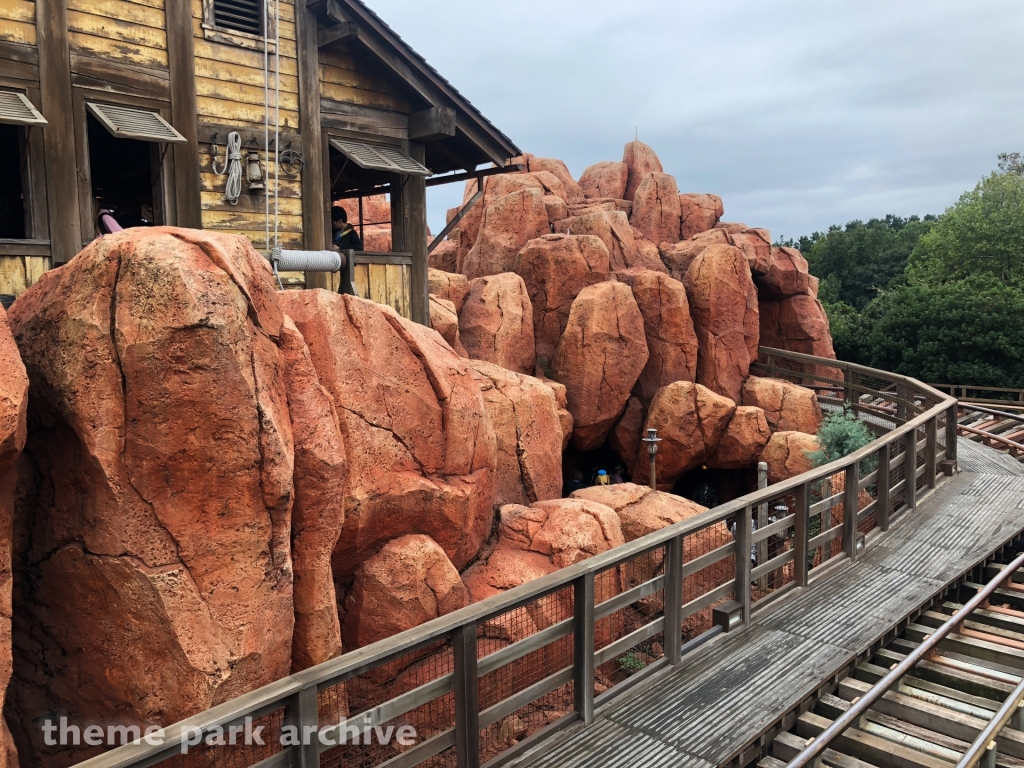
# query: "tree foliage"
[840,434]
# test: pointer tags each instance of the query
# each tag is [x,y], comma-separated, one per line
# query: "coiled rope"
[233,168]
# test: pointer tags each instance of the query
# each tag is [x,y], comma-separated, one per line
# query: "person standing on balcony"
[345,236]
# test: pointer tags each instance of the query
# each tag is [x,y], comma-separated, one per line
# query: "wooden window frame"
[164,212]
[30,139]
[217,34]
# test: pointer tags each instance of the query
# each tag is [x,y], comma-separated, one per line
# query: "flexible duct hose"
[311,261]
[233,167]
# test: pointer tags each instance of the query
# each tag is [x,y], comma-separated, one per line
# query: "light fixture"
[652,441]
[254,170]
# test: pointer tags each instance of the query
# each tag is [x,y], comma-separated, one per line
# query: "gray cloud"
[800,113]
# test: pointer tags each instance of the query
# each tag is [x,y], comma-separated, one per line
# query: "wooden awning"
[135,123]
[16,108]
[379,157]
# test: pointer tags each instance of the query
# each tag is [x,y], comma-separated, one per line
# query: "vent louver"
[239,15]
[379,157]
[135,123]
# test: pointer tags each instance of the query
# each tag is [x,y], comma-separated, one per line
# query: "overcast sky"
[799,113]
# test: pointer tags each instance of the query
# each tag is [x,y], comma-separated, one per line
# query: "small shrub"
[631,663]
[840,434]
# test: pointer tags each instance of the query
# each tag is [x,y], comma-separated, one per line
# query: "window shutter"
[379,157]
[135,123]
[16,108]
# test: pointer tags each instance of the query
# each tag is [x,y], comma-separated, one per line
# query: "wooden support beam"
[342,32]
[432,124]
[864,746]
[58,134]
[181,61]
[315,200]
[455,221]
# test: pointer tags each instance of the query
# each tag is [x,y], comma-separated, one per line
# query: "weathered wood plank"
[247,203]
[18,10]
[120,10]
[118,30]
[361,280]
[211,188]
[20,53]
[878,751]
[146,79]
[225,55]
[243,75]
[364,97]
[18,31]
[244,221]
[102,46]
[224,110]
[12,275]
[378,283]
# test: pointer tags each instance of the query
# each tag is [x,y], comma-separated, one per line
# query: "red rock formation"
[680,256]
[744,439]
[756,245]
[573,193]
[607,179]
[408,583]
[699,213]
[525,416]
[495,187]
[788,407]
[691,420]
[731,227]
[376,210]
[786,275]
[555,269]
[723,302]
[448,285]
[496,322]
[615,232]
[786,455]
[797,324]
[640,160]
[656,210]
[377,238]
[565,420]
[625,438]
[649,255]
[445,320]
[163,432]
[420,446]
[445,256]
[599,358]
[319,509]
[13,432]
[671,340]
[508,224]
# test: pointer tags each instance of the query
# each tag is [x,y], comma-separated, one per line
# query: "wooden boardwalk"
[731,690]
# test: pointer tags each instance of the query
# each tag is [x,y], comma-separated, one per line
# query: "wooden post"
[901,407]
[583,656]
[58,133]
[850,511]
[467,703]
[931,448]
[181,69]
[882,485]
[762,521]
[743,524]
[674,600]
[416,238]
[316,195]
[303,713]
[802,529]
[910,470]
[951,432]
[847,391]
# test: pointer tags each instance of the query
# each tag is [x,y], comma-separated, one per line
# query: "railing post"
[674,600]
[847,390]
[467,705]
[802,529]
[901,405]
[304,713]
[348,272]
[852,479]
[743,525]
[583,656]
[882,488]
[931,447]
[762,521]
[951,432]
[910,470]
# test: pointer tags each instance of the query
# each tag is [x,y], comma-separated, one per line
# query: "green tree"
[855,263]
[983,234]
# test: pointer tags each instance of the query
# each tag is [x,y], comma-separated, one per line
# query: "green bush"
[630,662]
[840,434]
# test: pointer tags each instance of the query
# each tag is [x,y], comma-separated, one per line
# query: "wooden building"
[128,104]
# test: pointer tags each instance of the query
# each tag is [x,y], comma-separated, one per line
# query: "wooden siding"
[19,272]
[343,80]
[125,31]
[18,21]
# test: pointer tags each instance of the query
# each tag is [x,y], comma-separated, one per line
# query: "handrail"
[298,690]
[858,708]
[981,409]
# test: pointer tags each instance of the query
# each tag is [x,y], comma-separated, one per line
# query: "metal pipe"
[849,718]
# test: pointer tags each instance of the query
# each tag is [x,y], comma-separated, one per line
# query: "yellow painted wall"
[18,21]
[341,81]
[125,31]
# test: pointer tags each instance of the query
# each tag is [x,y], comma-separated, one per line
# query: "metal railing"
[982,745]
[487,682]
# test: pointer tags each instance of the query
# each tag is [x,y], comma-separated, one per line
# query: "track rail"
[996,429]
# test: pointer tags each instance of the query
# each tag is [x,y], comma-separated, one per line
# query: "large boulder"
[448,285]
[496,322]
[671,340]
[786,455]
[599,358]
[13,432]
[723,302]
[445,320]
[408,583]
[508,224]
[525,416]
[788,407]
[604,180]
[565,420]
[786,275]
[797,324]
[699,213]
[445,256]
[159,577]
[625,438]
[420,446]
[319,508]
[656,210]
[495,187]
[648,254]
[555,269]
[744,439]
[573,193]
[639,160]
[679,256]
[615,232]
[691,420]
[756,245]
[376,209]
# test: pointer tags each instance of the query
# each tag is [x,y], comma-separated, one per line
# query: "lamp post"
[652,441]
